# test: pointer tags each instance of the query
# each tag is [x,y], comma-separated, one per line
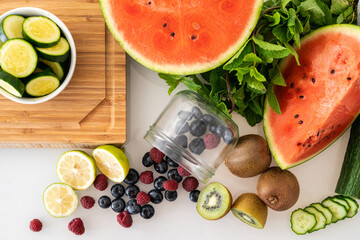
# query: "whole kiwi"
[250,157]
[279,189]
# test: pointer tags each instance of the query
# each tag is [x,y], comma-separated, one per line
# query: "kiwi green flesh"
[246,218]
[214,202]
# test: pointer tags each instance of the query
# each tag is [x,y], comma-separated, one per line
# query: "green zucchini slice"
[302,221]
[18,58]
[354,206]
[327,213]
[58,68]
[320,218]
[41,84]
[58,53]
[12,26]
[338,210]
[41,31]
[42,67]
[11,84]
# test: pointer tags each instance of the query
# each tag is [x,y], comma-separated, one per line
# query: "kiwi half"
[250,209]
[214,201]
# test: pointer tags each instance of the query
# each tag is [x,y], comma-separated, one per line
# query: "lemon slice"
[60,200]
[112,162]
[77,169]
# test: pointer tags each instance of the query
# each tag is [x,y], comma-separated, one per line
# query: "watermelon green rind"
[180,69]
[353,30]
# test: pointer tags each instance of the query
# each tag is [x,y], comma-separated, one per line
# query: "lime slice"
[60,200]
[77,169]
[112,162]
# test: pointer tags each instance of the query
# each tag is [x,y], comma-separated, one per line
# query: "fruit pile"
[33,61]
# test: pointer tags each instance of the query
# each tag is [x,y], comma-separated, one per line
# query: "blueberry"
[197,146]
[220,130]
[194,195]
[147,211]
[181,140]
[228,136]
[196,113]
[117,190]
[185,115]
[104,202]
[132,207]
[161,167]
[198,128]
[171,195]
[170,162]
[156,196]
[132,177]
[209,119]
[146,160]
[173,174]
[131,191]
[118,205]
[212,128]
[181,127]
[158,183]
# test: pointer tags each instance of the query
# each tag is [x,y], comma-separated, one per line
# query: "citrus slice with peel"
[77,169]
[60,200]
[112,162]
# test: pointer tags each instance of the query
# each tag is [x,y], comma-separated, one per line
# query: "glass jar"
[194,133]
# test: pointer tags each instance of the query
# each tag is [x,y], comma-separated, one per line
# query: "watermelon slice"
[181,36]
[322,96]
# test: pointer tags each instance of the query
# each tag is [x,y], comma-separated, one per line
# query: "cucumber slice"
[11,84]
[320,218]
[341,201]
[58,53]
[41,84]
[354,206]
[302,221]
[41,31]
[58,68]
[12,26]
[327,213]
[18,58]
[338,210]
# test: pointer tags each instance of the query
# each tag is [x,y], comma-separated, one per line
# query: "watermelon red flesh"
[181,36]
[321,98]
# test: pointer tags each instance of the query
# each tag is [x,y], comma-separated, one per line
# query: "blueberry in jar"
[196,113]
[209,119]
[181,127]
[185,115]
[197,146]
[197,128]
[181,140]
[220,130]
[212,128]
[228,136]
[161,167]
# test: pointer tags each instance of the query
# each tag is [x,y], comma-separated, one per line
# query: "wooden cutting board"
[92,109]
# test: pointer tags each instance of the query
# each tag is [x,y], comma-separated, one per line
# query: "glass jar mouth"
[193,164]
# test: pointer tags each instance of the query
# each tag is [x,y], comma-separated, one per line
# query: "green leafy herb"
[248,78]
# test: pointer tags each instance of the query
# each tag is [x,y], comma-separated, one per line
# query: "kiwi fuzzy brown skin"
[278,189]
[253,206]
[250,157]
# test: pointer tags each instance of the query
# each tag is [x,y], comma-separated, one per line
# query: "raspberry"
[142,198]
[147,177]
[87,202]
[211,141]
[124,219]
[171,185]
[182,172]
[35,225]
[101,182]
[76,226]
[156,155]
[190,184]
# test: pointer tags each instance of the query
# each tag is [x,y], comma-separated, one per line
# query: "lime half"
[77,169]
[60,200]
[112,162]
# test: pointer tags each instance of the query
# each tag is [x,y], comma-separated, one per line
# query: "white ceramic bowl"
[31,11]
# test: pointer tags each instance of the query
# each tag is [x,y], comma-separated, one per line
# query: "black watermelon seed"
[309,145]
[301,121]
[304,76]
[164,25]
[149,3]
[301,96]
[291,85]
[349,78]
[193,37]
[299,144]
[297,115]
[313,80]
[304,145]
[317,134]
[332,71]
[172,34]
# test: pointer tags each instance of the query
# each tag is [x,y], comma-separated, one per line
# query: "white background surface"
[25,173]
